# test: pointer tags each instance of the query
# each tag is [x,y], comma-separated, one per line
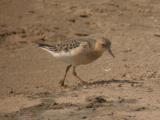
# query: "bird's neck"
[98,53]
[98,50]
[95,54]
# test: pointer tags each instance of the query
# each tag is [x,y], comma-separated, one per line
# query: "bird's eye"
[103,45]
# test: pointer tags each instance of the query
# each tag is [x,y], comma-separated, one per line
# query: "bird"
[78,51]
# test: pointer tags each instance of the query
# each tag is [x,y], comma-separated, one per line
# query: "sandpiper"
[78,51]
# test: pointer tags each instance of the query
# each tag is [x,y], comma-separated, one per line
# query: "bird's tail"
[49,48]
[44,45]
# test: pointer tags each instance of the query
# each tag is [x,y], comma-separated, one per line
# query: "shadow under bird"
[78,51]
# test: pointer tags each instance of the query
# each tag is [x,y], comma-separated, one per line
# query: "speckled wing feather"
[64,46]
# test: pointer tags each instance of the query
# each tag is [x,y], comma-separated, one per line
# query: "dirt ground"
[124,88]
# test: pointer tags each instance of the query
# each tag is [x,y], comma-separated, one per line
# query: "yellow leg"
[75,74]
[67,69]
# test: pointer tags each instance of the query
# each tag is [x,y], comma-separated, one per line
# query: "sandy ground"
[124,88]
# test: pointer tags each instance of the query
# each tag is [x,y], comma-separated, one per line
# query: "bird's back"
[66,45]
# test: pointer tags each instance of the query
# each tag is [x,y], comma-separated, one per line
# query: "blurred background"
[133,26]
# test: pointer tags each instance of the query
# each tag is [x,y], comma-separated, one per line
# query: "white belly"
[75,60]
[77,56]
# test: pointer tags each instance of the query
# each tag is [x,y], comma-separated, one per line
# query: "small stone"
[84,117]
[11,92]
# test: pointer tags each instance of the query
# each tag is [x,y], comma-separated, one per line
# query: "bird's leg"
[75,74]
[67,69]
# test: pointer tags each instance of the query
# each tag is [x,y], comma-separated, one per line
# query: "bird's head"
[104,44]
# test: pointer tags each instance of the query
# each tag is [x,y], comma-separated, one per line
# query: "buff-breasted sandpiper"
[78,51]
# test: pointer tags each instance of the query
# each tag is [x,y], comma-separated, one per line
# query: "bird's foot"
[61,83]
[84,83]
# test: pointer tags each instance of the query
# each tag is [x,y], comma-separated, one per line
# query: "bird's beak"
[110,52]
